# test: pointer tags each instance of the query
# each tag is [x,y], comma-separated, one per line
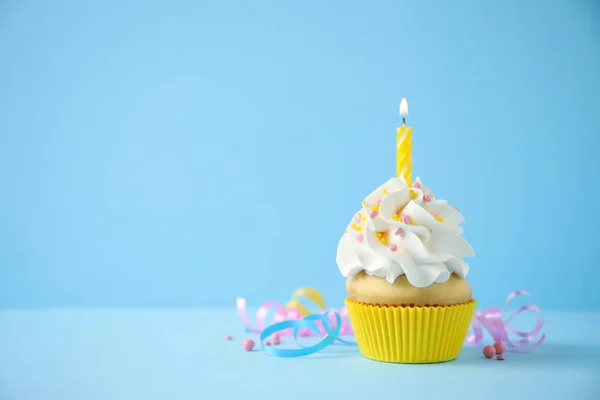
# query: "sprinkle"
[385,191]
[375,207]
[407,219]
[426,198]
[276,342]
[364,218]
[248,344]
[364,203]
[500,357]
[439,218]
[489,351]
[417,185]
[357,218]
[228,337]
[399,232]
[346,230]
[353,226]
[360,237]
[276,337]
[267,343]
[382,240]
[500,347]
[456,208]
[394,216]
[379,234]
[413,194]
[374,213]
[358,228]
[393,247]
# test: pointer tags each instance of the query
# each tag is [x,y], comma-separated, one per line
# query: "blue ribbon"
[332,332]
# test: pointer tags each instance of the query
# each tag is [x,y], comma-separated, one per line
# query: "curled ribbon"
[296,320]
[492,320]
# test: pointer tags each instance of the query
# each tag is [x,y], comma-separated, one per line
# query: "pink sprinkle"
[374,213]
[228,337]
[378,202]
[456,208]
[399,232]
[276,342]
[357,218]
[426,198]
[500,347]
[267,343]
[248,344]
[276,336]
[417,185]
[405,218]
[489,351]
[360,237]
[393,247]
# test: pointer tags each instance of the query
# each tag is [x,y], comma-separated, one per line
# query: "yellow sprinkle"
[394,216]
[375,207]
[413,194]
[385,191]
[364,218]
[364,203]
[353,226]
[358,228]
[382,240]
[378,234]
[439,218]
[346,230]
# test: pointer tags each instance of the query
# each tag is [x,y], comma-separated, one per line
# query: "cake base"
[410,334]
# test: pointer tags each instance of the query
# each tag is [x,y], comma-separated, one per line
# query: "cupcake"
[408,297]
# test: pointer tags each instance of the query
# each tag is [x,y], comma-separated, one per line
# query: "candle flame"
[403,107]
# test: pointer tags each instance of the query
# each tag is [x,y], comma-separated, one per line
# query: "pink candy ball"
[500,347]
[248,344]
[276,339]
[489,351]
[267,343]
[228,337]
[426,198]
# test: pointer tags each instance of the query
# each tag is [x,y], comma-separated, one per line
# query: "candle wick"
[403,120]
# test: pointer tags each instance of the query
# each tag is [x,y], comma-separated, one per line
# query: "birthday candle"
[404,147]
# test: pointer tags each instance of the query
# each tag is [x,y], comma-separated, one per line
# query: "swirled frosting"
[402,230]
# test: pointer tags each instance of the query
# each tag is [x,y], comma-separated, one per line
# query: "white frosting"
[428,249]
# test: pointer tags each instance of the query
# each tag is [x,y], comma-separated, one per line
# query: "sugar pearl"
[417,185]
[426,198]
[248,344]
[500,347]
[406,219]
[228,337]
[360,237]
[489,351]
[393,247]
[267,343]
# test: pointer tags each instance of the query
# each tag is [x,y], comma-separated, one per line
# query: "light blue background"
[185,153]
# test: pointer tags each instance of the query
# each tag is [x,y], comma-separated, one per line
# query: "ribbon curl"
[296,320]
[492,320]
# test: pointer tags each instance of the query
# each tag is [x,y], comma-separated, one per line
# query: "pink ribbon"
[281,314]
[492,320]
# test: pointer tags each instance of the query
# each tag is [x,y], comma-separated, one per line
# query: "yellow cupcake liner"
[410,334]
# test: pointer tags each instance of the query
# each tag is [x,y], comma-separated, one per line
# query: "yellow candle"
[404,148]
